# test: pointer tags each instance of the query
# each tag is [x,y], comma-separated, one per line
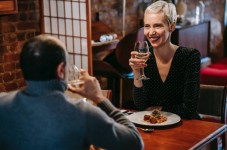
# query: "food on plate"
[155,117]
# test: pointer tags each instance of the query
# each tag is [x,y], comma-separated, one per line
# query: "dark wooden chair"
[212,107]
[115,66]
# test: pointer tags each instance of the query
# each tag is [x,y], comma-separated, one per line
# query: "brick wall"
[14,31]
[111,14]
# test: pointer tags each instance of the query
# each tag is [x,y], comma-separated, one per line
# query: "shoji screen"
[69,20]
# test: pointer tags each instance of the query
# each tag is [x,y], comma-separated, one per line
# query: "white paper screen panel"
[61,9]
[76,10]
[53,10]
[67,20]
[61,23]
[83,11]
[76,26]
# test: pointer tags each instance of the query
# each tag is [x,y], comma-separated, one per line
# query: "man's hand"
[90,89]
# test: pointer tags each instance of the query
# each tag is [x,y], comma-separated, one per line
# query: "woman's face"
[156,29]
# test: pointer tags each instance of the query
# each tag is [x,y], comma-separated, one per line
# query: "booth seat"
[215,74]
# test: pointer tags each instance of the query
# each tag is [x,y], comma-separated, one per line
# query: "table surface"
[188,134]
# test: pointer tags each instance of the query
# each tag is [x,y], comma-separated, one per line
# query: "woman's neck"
[165,53]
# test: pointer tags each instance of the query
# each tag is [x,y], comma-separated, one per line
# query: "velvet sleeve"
[188,109]
[139,98]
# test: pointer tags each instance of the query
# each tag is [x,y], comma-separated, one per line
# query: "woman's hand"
[136,63]
[90,89]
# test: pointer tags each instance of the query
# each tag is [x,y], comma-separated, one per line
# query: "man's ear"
[61,70]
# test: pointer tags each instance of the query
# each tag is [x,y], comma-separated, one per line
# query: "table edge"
[211,137]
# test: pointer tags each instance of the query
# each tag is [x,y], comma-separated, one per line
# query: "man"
[42,117]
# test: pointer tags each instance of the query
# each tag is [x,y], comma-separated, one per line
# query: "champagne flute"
[143,51]
[74,75]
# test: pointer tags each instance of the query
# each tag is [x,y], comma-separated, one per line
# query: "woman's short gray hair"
[168,9]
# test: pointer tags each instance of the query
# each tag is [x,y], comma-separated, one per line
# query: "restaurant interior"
[80,24]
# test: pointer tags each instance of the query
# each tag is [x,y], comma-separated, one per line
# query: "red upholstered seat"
[221,64]
[215,74]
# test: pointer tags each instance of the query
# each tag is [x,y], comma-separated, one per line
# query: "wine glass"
[143,51]
[74,75]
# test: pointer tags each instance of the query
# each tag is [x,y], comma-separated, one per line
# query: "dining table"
[182,135]
[185,135]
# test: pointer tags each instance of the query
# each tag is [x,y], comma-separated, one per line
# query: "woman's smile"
[154,38]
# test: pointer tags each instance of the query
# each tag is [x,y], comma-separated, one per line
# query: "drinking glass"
[143,51]
[73,76]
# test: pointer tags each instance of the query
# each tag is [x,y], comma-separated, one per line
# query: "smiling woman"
[173,70]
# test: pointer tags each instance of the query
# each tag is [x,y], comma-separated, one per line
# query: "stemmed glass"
[143,51]
[74,75]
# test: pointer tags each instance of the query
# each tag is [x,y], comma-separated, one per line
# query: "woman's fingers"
[136,63]
[133,54]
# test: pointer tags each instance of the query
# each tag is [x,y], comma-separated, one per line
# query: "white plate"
[137,118]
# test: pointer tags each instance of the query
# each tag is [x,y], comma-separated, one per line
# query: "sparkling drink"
[143,53]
